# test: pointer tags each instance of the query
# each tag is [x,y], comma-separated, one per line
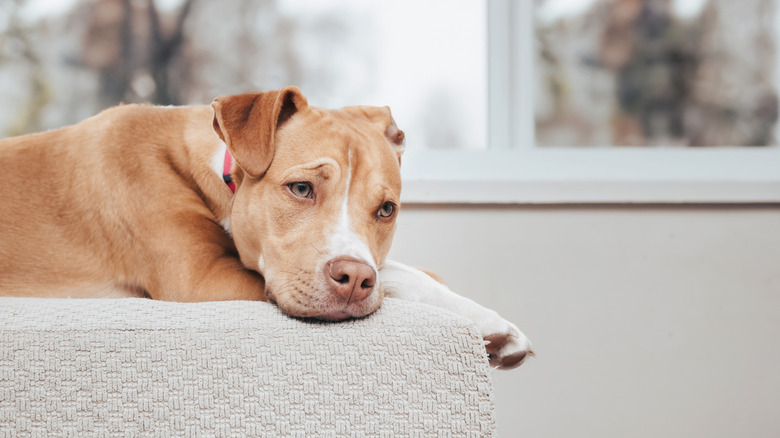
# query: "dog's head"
[316,200]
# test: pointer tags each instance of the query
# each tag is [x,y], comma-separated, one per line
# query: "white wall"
[647,321]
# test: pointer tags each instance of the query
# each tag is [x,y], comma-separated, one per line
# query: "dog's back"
[71,186]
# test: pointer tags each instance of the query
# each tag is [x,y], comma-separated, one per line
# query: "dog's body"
[132,202]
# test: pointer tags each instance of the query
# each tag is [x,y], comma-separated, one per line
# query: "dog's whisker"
[314,247]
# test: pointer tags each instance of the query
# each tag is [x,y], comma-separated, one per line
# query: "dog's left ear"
[383,119]
[395,136]
[247,124]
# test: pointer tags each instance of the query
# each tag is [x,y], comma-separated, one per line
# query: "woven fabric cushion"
[137,368]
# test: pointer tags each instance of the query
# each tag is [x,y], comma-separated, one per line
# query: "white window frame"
[513,171]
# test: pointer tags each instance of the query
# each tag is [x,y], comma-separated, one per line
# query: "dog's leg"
[196,261]
[218,278]
[506,345]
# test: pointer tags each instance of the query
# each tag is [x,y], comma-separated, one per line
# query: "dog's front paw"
[506,345]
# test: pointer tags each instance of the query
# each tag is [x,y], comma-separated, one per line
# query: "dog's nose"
[351,279]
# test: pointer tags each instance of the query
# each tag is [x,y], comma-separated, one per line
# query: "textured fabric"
[138,368]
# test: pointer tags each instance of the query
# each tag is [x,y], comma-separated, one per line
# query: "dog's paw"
[506,345]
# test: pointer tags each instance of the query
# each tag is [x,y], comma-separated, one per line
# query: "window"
[678,73]
[540,153]
[503,101]
[424,59]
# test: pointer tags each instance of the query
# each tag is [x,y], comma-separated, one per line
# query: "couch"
[135,368]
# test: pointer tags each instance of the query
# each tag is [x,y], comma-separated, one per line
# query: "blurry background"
[648,320]
[62,61]
[608,72]
[656,72]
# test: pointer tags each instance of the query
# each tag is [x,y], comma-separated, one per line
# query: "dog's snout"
[350,278]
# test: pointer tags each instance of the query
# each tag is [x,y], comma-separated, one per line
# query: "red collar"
[226,176]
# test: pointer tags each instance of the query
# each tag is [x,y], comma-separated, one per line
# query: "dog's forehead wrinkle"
[386,192]
[352,128]
[325,164]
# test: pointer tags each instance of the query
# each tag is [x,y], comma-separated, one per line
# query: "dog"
[256,197]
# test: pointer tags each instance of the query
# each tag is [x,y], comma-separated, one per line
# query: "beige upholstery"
[137,368]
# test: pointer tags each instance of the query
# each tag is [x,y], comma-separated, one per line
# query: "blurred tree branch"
[65,65]
[164,51]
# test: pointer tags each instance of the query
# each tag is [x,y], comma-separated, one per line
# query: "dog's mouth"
[335,316]
[330,316]
[323,305]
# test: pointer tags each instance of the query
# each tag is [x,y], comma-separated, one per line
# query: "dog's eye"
[386,210]
[301,189]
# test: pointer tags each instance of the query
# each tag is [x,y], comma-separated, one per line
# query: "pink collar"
[226,176]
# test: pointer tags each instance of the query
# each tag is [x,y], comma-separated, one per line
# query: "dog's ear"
[247,124]
[383,119]
[395,136]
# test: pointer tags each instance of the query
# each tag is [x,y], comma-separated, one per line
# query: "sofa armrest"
[72,367]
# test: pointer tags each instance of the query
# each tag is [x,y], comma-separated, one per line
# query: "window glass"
[63,60]
[656,73]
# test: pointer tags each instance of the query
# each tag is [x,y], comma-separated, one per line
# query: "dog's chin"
[325,312]
[334,316]
[322,305]
[340,314]
[350,311]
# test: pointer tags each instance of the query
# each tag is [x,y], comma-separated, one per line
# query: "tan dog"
[132,202]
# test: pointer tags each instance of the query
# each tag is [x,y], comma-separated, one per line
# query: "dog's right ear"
[247,124]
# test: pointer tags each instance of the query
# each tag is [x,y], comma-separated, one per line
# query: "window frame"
[513,171]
